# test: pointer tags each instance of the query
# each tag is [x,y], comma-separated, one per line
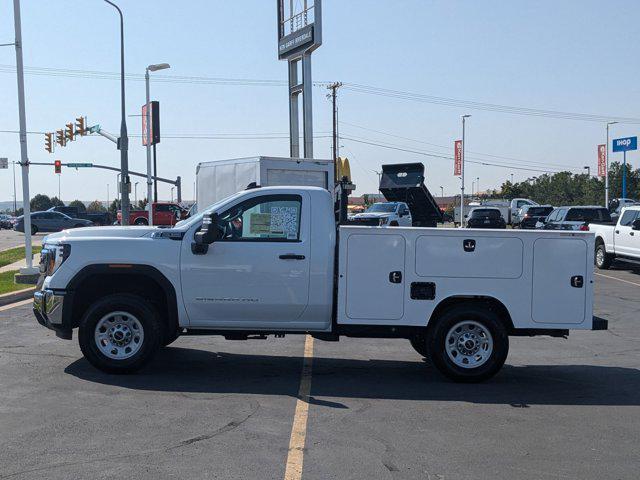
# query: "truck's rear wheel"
[119,333]
[141,221]
[468,344]
[603,259]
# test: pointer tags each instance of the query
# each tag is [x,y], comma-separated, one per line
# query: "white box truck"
[219,179]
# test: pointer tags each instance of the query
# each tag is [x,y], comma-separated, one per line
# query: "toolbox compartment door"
[559,280]
[374,290]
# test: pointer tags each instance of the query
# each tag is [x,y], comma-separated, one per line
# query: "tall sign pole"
[299,34]
[623,145]
[606,175]
[24,159]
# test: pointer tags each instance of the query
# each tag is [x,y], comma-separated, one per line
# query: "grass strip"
[7,257]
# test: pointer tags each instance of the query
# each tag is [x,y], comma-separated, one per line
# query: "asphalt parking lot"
[210,408]
[10,239]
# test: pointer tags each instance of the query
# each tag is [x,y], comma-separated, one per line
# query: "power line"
[205,136]
[467,104]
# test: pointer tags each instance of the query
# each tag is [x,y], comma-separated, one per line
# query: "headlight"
[52,256]
[384,220]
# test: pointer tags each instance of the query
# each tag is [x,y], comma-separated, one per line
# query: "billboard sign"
[625,144]
[154,107]
[299,27]
[457,159]
[602,160]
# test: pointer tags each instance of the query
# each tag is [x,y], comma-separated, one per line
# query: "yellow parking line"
[619,279]
[299,429]
[14,305]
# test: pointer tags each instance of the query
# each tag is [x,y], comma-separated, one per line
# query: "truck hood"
[100,232]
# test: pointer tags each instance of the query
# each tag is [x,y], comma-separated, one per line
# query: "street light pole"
[150,68]
[135,194]
[464,117]
[441,191]
[606,168]
[123,141]
[24,159]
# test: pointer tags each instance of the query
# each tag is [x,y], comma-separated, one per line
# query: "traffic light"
[80,126]
[68,133]
[60,138]
[48,142]
[57,166]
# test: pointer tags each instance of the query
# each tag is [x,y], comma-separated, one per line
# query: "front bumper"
[48,307]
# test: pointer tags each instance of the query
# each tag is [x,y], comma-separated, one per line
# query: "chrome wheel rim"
[469,344]
[599,256]
[119,335]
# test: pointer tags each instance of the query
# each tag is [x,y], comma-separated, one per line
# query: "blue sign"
[625,144]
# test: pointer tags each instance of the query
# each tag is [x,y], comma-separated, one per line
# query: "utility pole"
[333,95]
[606,171]
[464,117]
[441,191]
[24,159]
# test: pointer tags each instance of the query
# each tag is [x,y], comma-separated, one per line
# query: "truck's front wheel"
[468,344]
[119,333]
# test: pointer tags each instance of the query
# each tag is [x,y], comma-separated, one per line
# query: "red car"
[164,214]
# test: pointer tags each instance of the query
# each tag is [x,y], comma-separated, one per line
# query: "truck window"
[588,215]
[628,217]
[265,218]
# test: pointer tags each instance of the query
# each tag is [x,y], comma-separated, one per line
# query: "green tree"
[79,205]
[56,202]
[142,204]
[96,207]
[114,207]
[40,202]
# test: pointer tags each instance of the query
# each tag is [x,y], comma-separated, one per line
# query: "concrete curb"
[12,297]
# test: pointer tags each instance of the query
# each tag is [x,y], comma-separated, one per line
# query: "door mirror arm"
[208,233]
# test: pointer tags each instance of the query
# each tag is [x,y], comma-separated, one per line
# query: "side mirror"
[208,233]
[636,224]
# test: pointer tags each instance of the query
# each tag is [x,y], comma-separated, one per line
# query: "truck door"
[625,238]
[559,280]
[258,274]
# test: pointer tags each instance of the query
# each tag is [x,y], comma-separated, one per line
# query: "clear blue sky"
[575,56]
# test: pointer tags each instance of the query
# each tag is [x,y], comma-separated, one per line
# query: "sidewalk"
[20,264]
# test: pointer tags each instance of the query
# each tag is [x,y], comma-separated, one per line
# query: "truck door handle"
[395,277]
[291,256]
[577,281]
[631,233]
[617,231]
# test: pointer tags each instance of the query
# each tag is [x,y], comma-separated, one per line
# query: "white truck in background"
[273,261]
[393,214]
[218,179]
[621,240]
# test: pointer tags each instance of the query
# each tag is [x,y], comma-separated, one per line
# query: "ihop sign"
[625,144]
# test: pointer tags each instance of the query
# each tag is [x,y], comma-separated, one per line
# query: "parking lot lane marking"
[618,279]
[299,429]
[14,305]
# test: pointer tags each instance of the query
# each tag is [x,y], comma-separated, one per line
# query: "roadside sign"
[154,113]
[4,163]
[79,165]
[457,163]
[602,160]
[625,144]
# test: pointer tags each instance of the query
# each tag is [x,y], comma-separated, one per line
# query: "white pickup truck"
[393,214]
[621,240]
[265,261]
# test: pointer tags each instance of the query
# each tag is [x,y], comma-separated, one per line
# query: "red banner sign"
[602,160]
[457,163]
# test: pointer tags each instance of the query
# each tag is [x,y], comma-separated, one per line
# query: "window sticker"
[284,222]
[260,223]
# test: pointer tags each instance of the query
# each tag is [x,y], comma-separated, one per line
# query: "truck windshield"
[382,208]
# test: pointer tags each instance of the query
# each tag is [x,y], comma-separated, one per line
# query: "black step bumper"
[599,324]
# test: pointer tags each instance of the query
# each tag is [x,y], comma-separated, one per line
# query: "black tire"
[437,340]
[34,229]
[393,224]
[419,344]
[141,221]
[602,258]
[131,304]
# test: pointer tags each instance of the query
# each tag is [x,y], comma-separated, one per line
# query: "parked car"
[617,204]
[530,215]
[621,240]
[486,217]
[508,209]
[51,222]
[6,221]
[165,214]
[74,212]
[393,214]
[273,261]
[574,218]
